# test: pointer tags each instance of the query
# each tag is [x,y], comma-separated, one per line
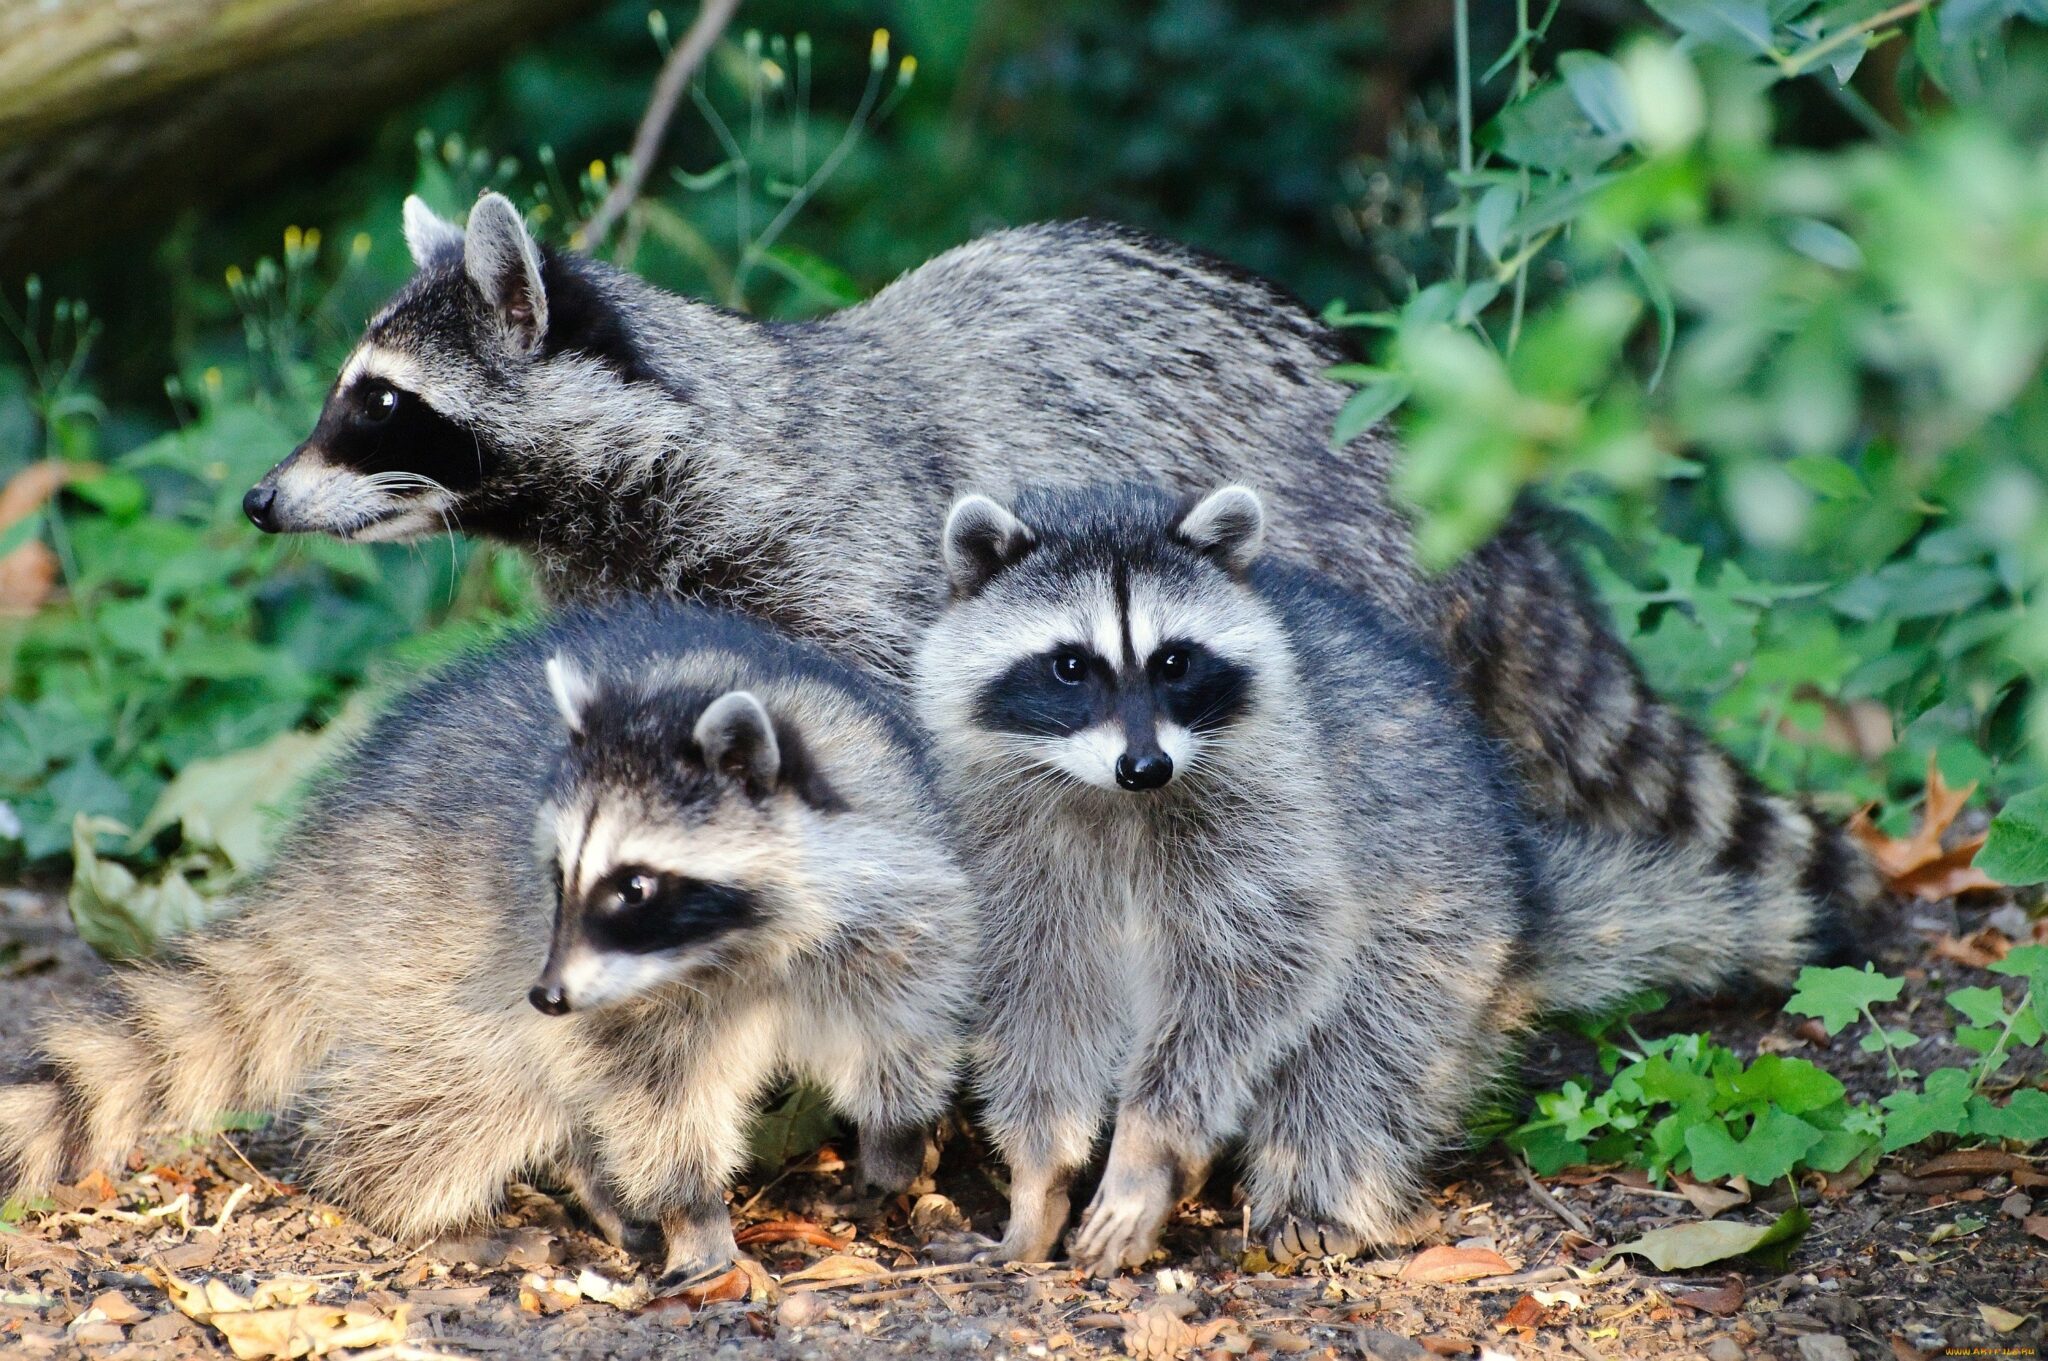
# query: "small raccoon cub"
[1253,873]
[569,910]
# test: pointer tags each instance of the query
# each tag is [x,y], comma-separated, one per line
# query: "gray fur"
[1316,938]
[376,981]
[651,443]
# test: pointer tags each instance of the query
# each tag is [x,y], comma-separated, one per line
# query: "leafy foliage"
[1684,1104]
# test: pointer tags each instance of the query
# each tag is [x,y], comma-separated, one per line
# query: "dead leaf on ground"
[1157,1334]
[2036,1225]
[1447,1344]
[1442,1265]
[1723,1301]
[276,1320]
[838,1267]
[1710,1199]
[1917,866]
[2000,1320]
[1981,1162]
[1978,950]
[1527,1313]
[789,1231]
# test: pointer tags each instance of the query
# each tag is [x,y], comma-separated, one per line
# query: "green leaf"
[119,914]
[1496,207]
[2024,1116]
[1738,25]
[1368,407]
[1983,1006]
[1942,1107]
[1831,477]
[1837,996]
[2017,850]
[1775,1143]
[1715,1240]
[792,1128]
[1600,90]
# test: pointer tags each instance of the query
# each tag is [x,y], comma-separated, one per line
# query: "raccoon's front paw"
[1293,1240]
[699,1248]
[1121,1226]
[898,1160]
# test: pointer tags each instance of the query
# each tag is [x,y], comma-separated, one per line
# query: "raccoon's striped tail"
[1617,916]
[218,1027]
[1594,748]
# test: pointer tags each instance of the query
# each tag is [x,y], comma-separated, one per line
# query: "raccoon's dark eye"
[380,403]
[1172,665]
[1069,669]
[638,888]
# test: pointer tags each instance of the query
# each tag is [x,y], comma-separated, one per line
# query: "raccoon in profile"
[1255,874]
[567,911]
[632,440]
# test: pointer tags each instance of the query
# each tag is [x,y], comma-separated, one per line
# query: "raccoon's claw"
[1121,1230]
[678,1279]
[1293,1240]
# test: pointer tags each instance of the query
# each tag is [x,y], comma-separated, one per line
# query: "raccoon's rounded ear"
[572,689]
[428,235]
[738,739]
[501,259]
[981,540]
[1228,525]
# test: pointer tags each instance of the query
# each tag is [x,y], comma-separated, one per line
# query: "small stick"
[675,77]
[1553,1204]
[275,1189]
[918,1273]
[235,1198]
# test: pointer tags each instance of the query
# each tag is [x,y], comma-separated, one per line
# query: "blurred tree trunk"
[116,112]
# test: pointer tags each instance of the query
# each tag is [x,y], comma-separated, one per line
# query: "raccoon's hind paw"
[1293,1240]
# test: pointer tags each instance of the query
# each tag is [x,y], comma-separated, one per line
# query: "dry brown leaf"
[1980,1162]
[837,1267]
[1527,1312]
[1439,1266]
[2000,1320]
[115,1307]
[1723,1301]
[730,1286]
[1157,1334]
[309,1330]
[1711,1200]
[789,1231]
[29,573]
[1447,1344]
[1903,1350]
[1916,866]
[1978,950]
[2036,1225]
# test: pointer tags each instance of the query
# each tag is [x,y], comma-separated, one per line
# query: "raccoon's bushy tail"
[1595,749]
[1616,916]
[221,1025]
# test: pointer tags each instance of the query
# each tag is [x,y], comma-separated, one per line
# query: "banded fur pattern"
[791,913]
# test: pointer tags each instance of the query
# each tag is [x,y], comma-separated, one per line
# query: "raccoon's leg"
[1339,1138]
[1233,981]
[636,1238]
[422,1141]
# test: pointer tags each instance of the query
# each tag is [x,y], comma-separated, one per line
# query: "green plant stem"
[1796,63]
[1891,1055]
[1988,1065]
[1462,27]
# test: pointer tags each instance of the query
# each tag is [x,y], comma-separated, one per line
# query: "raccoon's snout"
[549,999]
[1148,770]
[259,504]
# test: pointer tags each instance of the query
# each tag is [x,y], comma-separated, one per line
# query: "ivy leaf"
[2017,851]
[1837,996]
[1773,1147]
[1942,1107]
[1983,1006]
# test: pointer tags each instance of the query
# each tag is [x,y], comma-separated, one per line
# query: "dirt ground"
[1902,1265]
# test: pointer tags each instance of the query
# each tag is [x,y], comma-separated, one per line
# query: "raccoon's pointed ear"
[572,689]
[981,540]
[738,739]
[428,235]
[503,262]
[1228,525]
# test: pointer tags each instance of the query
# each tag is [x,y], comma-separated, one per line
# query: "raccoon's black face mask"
[1108,679]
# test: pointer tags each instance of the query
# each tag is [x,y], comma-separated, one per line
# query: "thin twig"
[675,77]
[1553,1204]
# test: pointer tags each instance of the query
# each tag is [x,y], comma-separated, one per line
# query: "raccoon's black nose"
[1149,771]
[257,503]
[550,1000]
